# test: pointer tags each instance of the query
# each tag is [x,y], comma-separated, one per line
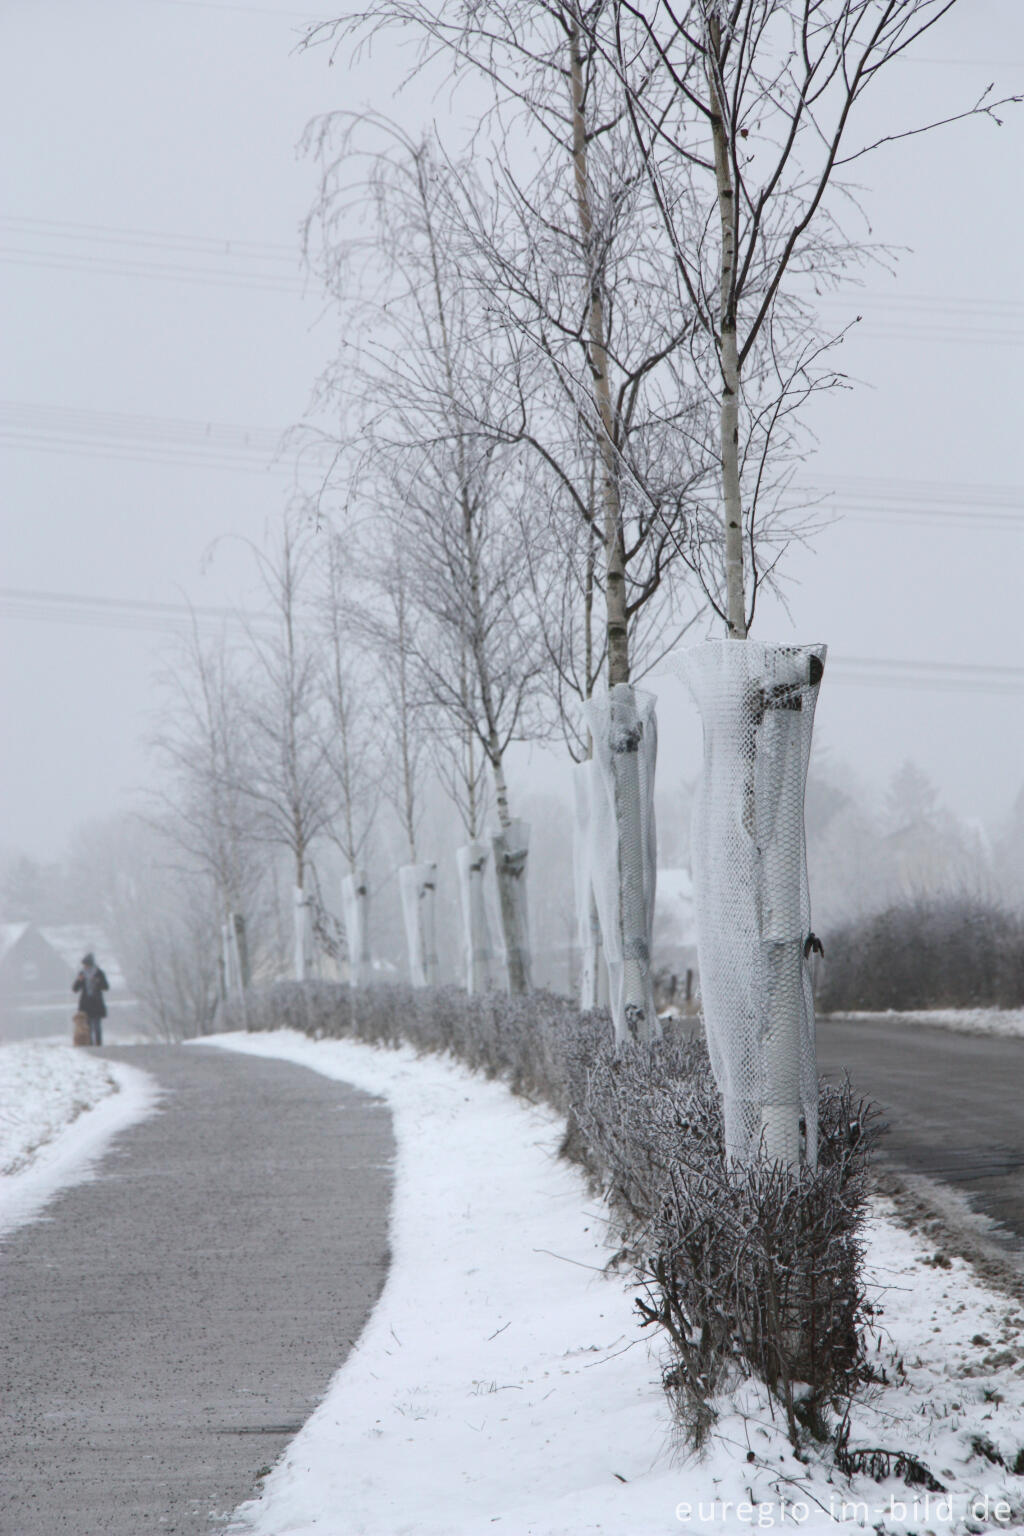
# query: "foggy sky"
[151,293]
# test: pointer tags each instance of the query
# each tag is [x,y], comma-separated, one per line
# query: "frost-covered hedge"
[746,1271]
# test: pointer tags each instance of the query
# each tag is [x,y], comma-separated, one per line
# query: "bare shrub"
[947,952]
[748,1271]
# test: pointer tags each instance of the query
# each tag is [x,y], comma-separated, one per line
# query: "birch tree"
[449,491]
[289,778]
[750,119]
[204,810]
[569,278]
[560,245]
[353,753]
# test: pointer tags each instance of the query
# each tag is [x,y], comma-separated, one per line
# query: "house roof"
[10,933]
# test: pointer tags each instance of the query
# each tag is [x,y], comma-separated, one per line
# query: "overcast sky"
[158,337]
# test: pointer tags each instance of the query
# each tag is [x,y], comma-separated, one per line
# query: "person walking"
[92,984]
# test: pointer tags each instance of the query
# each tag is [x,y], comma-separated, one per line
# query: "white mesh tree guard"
[355,901]
[510,850]
[226,979]
[240,950]
[471,863]
[417,884]
[303,920]
[235,954]
[750,875]
[623,841]
[587,920]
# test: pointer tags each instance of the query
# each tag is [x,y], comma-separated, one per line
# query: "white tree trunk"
[239,950]
[226,976]
[624,858]
[510,861]
[753,909]
[471,862]
[587,919]
[355,896]
[237,959]
[303,935]
[418,886]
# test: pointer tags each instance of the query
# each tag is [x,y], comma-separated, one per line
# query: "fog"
[161,335]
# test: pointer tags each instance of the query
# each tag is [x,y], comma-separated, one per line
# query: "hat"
[89,959]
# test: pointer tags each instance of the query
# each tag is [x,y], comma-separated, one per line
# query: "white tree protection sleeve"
[240,950]
[757,706]
[471,862]
[587,921]
[355,900]
[226,967]
[623,840]
[417,884]
[303,935]
[510,849]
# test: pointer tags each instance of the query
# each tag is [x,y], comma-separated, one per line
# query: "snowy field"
[59,1109]
[967,1021]
[502,1384]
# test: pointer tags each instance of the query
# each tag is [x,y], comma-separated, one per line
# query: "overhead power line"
[122,435]
[179,442]
[930,676]
[143,615]
[119,234]
[123,613]
[268,266]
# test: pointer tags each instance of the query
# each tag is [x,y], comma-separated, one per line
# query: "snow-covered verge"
[966,1021]
[59,1109]
[502,1382]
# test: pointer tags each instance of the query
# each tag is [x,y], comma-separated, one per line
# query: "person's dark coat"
[92,989]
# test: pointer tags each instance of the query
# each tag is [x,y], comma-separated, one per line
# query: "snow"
[966,1021]
[502,1383]
[60,1107]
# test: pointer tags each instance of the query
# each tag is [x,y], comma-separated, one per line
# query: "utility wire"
[141,614]
[893,315]
[115,234]
[174,441]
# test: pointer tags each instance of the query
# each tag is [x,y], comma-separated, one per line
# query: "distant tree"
[354,746]
[203,806]
[161,915]
[593,362]
[288,778]
[32,891]
[450,494]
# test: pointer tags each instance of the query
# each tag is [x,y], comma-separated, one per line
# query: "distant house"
[30,966]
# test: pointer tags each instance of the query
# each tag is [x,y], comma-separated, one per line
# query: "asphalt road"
[166,1328]
[954,1104]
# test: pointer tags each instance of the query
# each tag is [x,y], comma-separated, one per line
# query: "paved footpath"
[166,1328]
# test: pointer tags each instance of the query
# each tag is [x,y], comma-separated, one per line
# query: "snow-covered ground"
[502,1383]
[59,1109]
[968,1021]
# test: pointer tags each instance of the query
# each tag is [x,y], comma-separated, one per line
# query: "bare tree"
[289,778]
[160,913]
[451,493]
[595,360]
[747,115]
[204,810]
[354,748]
[591,380]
